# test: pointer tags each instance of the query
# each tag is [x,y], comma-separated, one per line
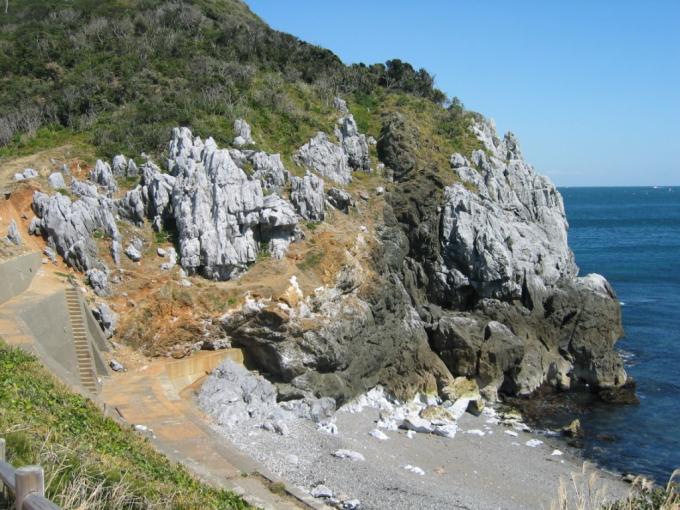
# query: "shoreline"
[476,469]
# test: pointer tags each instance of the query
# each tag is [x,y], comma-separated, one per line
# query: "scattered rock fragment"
[348,454]
[116,366]
[56,180]
[13,235]
[321,491]
[378,434]
[414,469]
[133,253]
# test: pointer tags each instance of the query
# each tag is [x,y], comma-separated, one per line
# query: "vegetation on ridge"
[122,73]
[89,460]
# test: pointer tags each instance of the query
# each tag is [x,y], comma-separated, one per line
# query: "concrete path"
[160,397]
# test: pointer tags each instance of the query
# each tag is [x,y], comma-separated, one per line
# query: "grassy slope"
[117,75]
[82,450]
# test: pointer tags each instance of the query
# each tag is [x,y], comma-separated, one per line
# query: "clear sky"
[591,88]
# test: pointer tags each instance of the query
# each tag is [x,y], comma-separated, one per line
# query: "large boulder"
[308,197]
[326,158]
[13,235]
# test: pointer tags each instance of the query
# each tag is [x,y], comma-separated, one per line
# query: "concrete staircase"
[88,377]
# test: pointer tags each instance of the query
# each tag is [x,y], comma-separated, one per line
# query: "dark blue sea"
[632,237]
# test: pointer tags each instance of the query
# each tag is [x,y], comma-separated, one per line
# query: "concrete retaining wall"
[16,274]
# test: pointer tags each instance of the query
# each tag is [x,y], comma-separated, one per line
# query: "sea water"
[632,237]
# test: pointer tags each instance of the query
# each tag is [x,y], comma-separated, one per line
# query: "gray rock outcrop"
[307,196]
[242,133]
[123,167]
[353,143]
[28,173]
[56,180]
[99,281]
[222,218]
[497,284]
[326,158]
[13,235]
[102,175]
[70,226]
[133,253]
[268,168]
[340,105]
[340,199]
[107,318]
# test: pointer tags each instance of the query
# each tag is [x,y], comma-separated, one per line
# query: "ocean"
[632,237]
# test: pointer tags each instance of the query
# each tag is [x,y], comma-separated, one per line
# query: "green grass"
[48,137]
[312,260]
[43,422]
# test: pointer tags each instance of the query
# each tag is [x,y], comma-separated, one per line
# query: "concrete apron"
[161,397]
[35,316]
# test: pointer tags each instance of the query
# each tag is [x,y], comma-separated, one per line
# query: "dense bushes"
[126,71]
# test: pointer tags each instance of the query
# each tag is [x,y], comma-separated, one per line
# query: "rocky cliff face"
[479,273]
[466,273]
[496,282]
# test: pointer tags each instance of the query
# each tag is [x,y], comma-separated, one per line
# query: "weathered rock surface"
[56,180]
[242,133]
[268,168]
[107,318]
[103,175]
[326,158]
[340,199]
[28,173]
[492,275]
[221,215]
[353,143]
[307,195]
[123,167]
[340,105]
[13,235]
[99,281]
[337,343]
[69,226]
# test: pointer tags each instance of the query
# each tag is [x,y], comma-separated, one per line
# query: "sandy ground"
[494,471]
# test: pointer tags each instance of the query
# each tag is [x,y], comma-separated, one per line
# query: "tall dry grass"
[586,490]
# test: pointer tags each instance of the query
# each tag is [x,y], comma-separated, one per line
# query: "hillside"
[214,183]
[121,74]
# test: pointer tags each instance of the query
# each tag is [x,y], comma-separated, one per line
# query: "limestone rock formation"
[340,105]
[123,167]
[103,175]
[353,143]
[498,285]
[56,180]
[70,226]
[99,281]
[242,134]
[28,173]
[107,318]
[13,235]
[268,168]
[308,197]
[221,215]
[326,158]
[340,199]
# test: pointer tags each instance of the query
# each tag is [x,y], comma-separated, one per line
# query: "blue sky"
[591,88]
